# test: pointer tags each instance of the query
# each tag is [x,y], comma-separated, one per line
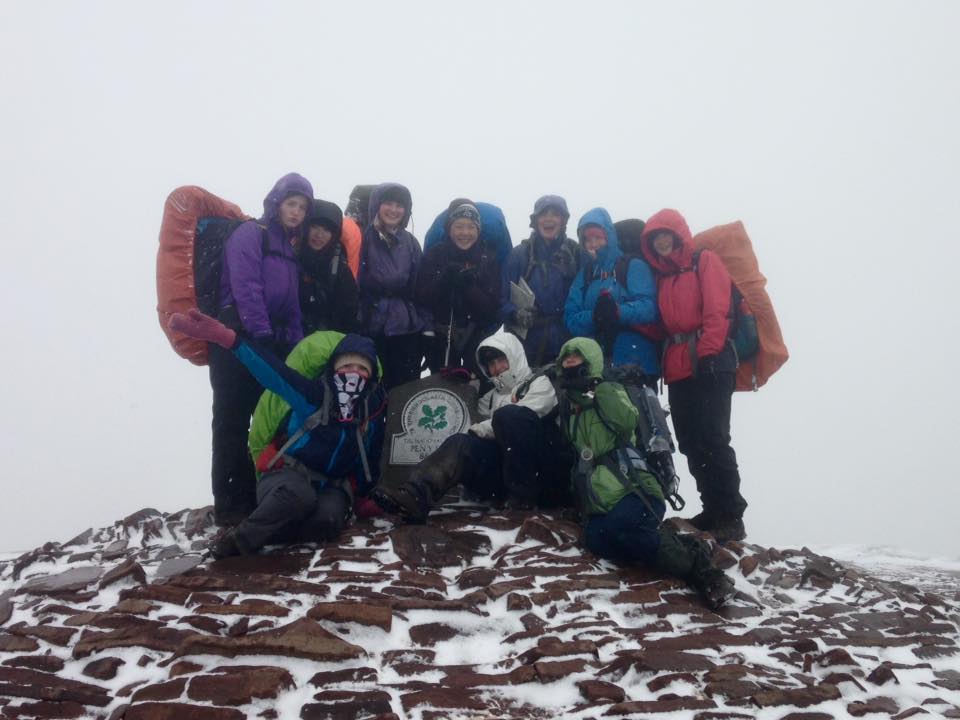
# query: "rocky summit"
[479,614]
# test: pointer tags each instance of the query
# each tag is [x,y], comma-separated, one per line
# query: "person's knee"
[514,421]
[329,515]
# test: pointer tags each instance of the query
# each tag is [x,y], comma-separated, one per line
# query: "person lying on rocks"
[327,432]
[515,454]
[621,502]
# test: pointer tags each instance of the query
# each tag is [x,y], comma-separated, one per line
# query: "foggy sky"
[829,129]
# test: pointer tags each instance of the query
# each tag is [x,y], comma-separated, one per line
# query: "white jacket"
[539,397]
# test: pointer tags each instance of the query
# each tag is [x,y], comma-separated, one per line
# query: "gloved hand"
[524,317]
[707,366]
[202,327]
[465,278]
[606,314]
[450,274]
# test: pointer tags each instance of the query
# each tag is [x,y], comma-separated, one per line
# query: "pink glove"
[202,327]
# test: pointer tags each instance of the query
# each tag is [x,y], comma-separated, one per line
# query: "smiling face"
[464,233]
[292,211]
[594,238]
[550,224]
[572,360]
[662,243]
[319,237]
[390,215]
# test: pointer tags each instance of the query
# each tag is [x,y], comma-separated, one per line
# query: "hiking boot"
[225,546]
[702,521]
[715,587]
[729,529]
[411,501]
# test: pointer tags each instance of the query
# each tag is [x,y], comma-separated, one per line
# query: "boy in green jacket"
[619,498]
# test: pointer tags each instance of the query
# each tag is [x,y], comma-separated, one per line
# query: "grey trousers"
[292,508]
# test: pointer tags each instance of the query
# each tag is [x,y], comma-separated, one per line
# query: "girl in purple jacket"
[389,260]
[258,299]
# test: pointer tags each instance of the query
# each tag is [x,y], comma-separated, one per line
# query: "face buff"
[349,386]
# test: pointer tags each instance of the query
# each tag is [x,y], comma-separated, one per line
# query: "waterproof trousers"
[235,395]
[293,505]
[701,419]
[628,533]
[525,462]
[401,357]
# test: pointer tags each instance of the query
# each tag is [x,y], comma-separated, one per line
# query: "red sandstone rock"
[303,638]
[801,697]
[346,611]
[21,682]
[431,633]
[180,711]
[43,663]
[239,684]
[598,691]
[103,669]
[336,704]
[169,690]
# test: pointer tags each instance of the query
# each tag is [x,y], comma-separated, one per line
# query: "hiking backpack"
[755,331]
[493,231]
[194,229]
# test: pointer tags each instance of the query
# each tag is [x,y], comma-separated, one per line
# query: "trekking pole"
[446,354]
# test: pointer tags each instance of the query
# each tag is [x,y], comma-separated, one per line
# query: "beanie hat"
[397,194]
[350,358]
[463,210]
[549,201]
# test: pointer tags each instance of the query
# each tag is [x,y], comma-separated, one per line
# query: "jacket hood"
[324,212]
[390,191]
[592,354]
[509,345]
[359,345]
[291,184]
[358,204]
[682,255]
[606,256]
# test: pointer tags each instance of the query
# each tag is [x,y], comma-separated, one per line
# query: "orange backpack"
[732,245]
[195,225]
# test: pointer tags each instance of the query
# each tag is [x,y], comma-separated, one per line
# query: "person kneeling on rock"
[326,439]
[621,501]
[516,453]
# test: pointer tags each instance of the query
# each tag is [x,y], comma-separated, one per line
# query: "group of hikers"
[329,313]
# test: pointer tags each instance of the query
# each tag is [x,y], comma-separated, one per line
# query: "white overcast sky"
[829,128]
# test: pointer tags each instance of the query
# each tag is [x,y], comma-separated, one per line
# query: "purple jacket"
[388,273]
[263,285]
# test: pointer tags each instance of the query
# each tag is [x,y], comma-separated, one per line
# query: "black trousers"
[291,508]
[235,395]
[401,357]
[701,419]
[526,461]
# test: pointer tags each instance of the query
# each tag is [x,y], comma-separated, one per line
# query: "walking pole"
[446,354]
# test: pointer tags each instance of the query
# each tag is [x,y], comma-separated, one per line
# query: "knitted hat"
[462,209]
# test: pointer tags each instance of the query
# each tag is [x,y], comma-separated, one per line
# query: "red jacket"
[690,302]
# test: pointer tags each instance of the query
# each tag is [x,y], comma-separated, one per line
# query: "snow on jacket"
[539,397]
[601,420]
[388,274]
[332,446]
[478,302]
[636,303]
[693,305]
[549,269]
[263,286]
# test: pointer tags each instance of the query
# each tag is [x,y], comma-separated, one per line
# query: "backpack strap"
[319,417]
[614,461]
[621,269]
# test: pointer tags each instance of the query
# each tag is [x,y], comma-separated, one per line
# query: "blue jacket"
[549,270]
[637,302]
[331,447]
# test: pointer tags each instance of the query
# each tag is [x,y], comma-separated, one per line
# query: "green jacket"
[602,420]
[309,358]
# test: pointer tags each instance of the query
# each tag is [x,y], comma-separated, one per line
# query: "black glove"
[465,278]
[449,274]
[707,366]
[606,314]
